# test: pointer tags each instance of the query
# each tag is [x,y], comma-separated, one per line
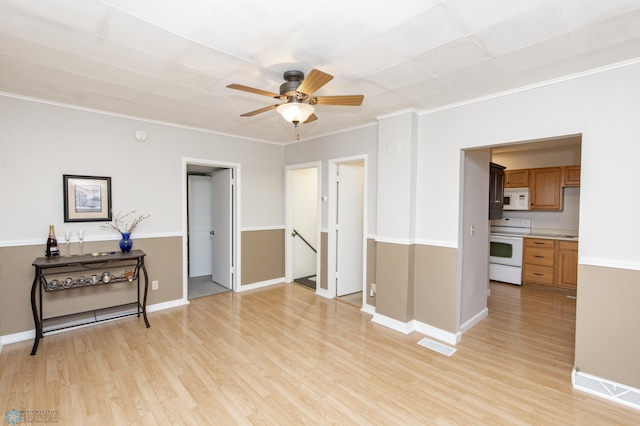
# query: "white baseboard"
[420,327]
[18,337]
[323,292]
[253,286]
[166,305]
[368,309]
[438,333]
[607,389]
[394,324]
[474,320]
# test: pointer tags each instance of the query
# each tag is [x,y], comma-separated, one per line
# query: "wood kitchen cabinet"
[568,264]
[571,176]
[539,261]
[516,178]
[550,262]
[545,188]
[496,190]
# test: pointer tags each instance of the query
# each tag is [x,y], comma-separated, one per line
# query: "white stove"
[506,247]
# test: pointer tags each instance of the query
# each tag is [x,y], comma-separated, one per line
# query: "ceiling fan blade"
[256,91]
[315,80]
[348,100]
[311,118]
[258,111]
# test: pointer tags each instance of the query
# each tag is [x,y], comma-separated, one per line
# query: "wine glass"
[81,237]
[67,238]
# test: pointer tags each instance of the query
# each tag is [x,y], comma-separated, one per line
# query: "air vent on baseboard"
[613,391]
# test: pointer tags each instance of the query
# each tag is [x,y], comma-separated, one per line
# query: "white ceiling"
[172,60]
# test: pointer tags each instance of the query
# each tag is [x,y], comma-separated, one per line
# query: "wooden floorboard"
[282,355]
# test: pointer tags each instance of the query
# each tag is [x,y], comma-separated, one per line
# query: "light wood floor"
[354,299]
[282,355]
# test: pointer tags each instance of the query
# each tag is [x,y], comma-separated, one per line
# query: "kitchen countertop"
[552,236]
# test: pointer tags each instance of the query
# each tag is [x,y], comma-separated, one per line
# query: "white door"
[199,225]
[349,228]
[221,227]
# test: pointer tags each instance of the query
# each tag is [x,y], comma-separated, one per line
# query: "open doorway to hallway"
[303,231]
[210,222]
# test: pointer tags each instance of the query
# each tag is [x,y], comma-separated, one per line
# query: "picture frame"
[86,198]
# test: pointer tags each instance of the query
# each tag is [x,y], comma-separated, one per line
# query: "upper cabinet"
[545,184]
[571,176]
[546,189]
[496,191]
[516,178]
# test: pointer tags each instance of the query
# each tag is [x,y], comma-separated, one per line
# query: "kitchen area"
[534,205]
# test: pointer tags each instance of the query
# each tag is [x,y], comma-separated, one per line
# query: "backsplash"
[565,220]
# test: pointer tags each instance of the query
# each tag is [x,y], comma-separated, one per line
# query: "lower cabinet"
[550,262]
[539,261]
[568,264]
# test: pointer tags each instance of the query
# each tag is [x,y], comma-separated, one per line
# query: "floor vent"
[613,391]
[438,347]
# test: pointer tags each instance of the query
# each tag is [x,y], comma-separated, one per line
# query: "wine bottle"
[52,244]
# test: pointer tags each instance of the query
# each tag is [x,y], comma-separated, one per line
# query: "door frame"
[235,220]
[288,228]
[332,242]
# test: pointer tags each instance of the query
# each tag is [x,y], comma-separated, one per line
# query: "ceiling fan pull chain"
[295,123]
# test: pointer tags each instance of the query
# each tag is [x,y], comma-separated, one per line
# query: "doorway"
[474,229]
[210,228]
[302,228]
[347,219]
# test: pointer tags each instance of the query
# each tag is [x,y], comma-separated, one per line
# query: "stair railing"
[296,233]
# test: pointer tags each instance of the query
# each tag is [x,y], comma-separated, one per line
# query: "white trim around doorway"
[288,249]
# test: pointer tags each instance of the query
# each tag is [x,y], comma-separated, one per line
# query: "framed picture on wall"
[86,198]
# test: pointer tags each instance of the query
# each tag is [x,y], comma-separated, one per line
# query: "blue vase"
[125,242]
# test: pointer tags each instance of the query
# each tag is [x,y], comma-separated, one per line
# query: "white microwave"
[516,199]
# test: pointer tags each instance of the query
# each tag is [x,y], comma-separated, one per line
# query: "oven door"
[506,250]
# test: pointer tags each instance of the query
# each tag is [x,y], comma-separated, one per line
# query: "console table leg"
[144,300]
[34,309]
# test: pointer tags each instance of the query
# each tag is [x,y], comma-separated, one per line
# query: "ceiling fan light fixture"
[295,112]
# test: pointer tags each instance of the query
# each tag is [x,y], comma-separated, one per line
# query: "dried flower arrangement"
[119,224]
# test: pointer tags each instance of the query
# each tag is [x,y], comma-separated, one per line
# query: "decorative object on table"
[125,242]
[86,198]
[67,283]
[52,244]
[81,237]
[106,277]
[67,238]
[128,274]
[125,229]
[94,279]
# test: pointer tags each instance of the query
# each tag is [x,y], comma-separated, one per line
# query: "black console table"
[86,271]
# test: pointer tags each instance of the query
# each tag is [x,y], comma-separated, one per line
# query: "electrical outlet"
[154,285]
[373,288]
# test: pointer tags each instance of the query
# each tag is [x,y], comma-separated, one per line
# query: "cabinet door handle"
[538,243]
[538,256]
[538,274]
